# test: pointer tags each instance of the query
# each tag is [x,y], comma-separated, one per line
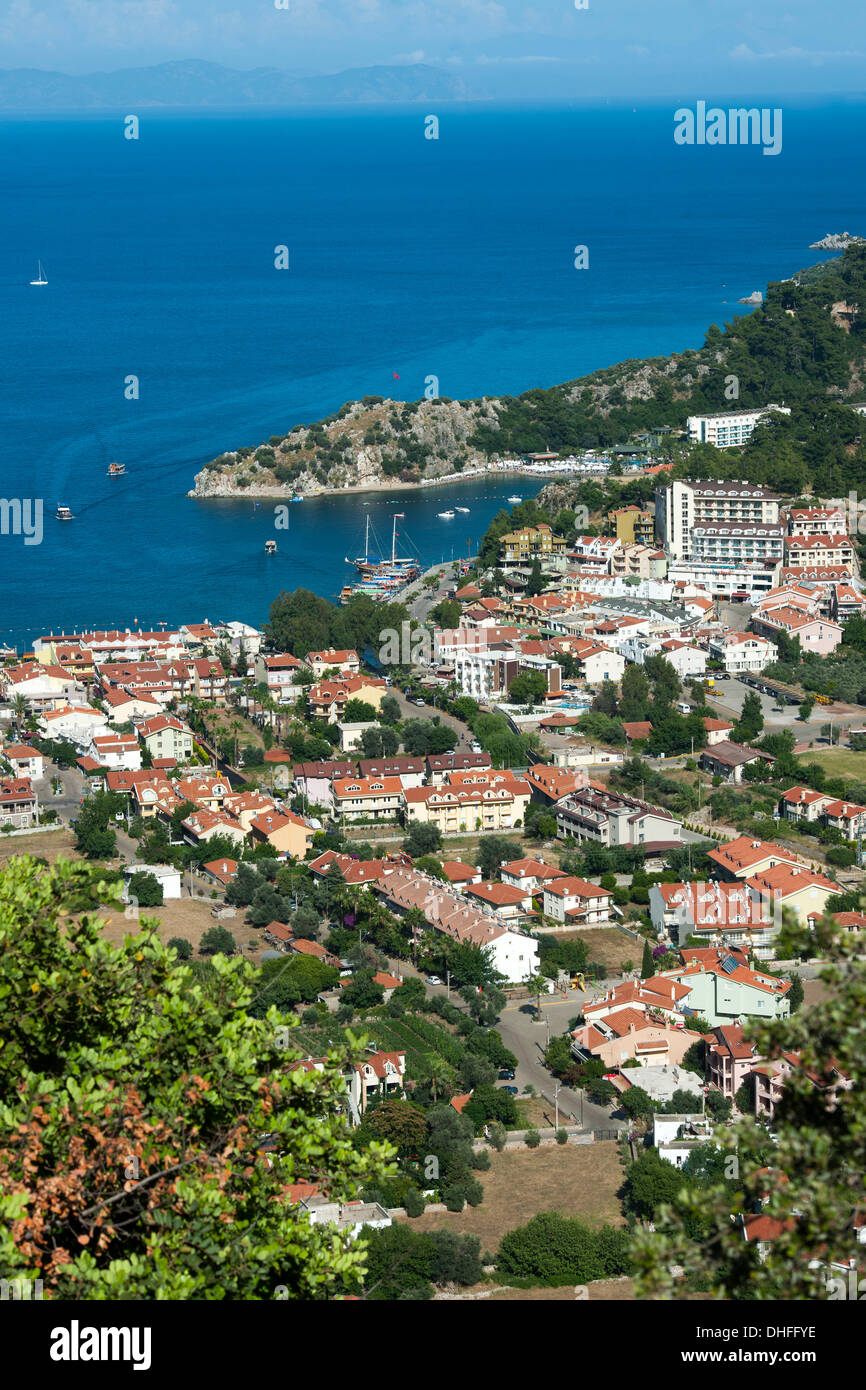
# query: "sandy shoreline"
[385,485]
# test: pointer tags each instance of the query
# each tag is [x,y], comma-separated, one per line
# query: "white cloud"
[793,54]
[491,60]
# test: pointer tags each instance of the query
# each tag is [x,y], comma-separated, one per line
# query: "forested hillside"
[804,347]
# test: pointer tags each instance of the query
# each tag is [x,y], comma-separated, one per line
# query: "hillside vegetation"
[803,347]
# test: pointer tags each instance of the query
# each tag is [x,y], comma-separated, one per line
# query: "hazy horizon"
[498,48]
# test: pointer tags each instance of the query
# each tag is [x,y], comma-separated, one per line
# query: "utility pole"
[448,983]
[557,1088]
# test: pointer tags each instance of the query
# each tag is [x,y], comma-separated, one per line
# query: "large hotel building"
[739,511]
[729,429]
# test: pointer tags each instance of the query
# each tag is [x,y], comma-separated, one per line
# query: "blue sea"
[451,258]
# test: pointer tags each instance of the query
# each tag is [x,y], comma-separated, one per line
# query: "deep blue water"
[449,257]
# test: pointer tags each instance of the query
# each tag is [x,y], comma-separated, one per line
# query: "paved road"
[734,692]
[408,710]
[423,598]
[66,804]
[528,1040]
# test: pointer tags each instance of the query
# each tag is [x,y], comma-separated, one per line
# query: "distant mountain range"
[199,84]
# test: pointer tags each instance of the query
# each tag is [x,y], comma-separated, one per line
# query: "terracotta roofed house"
[507,902]
[744,856]
[573,899]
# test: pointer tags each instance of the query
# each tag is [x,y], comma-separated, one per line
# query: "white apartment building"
[731,428]
[165,736]
[743,651]
[488,673]
[686,659]
[817,521]
[684,504]
[610,818]
[721,580]
[738,545]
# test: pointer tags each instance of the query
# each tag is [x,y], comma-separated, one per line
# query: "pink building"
[729,1058]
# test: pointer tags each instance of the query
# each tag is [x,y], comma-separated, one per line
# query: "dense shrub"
[554,1249]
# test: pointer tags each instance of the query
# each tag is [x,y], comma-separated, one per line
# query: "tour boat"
[270,547]
[116,470]
[401,567]
[63,513]
[446,516]
[41,280]
[514,499]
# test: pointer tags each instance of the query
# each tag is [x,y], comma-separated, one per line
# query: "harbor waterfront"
[218,547]
[159,342]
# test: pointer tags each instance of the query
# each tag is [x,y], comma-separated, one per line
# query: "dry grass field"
[574,1180]
[604,1291]
[48,844]
[188,918]
[608,946]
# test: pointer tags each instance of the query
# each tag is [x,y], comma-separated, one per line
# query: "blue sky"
[615,48]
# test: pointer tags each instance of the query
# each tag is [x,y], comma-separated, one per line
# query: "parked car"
[418,701]
[433,980]
[476,748]
[506,1074]
[511,1090]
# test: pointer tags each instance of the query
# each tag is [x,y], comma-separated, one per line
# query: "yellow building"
[482,807]
[633,525]
[531,543]
[288,833]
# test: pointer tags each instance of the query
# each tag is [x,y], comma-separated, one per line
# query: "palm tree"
[440,1074]
[19,709]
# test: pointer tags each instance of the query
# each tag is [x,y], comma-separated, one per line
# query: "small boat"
[40,280]
[297,497]
[514,499]
[270,547]
[445,515]
[461,509]
[64,514]
[116,470]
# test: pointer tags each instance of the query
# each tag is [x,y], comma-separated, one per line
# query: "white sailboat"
[41,274]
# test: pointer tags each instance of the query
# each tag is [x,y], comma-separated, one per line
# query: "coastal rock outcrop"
[835,241]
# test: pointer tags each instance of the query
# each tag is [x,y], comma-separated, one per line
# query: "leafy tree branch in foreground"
[134,1107]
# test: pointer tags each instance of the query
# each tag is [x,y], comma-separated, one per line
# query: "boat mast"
[400,516]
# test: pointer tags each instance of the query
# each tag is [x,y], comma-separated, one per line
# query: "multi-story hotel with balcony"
[685,505]
[731,428]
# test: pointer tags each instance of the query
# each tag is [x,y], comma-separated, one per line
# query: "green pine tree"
[646,965]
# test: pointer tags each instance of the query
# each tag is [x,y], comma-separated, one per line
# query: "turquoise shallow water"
[451,258]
